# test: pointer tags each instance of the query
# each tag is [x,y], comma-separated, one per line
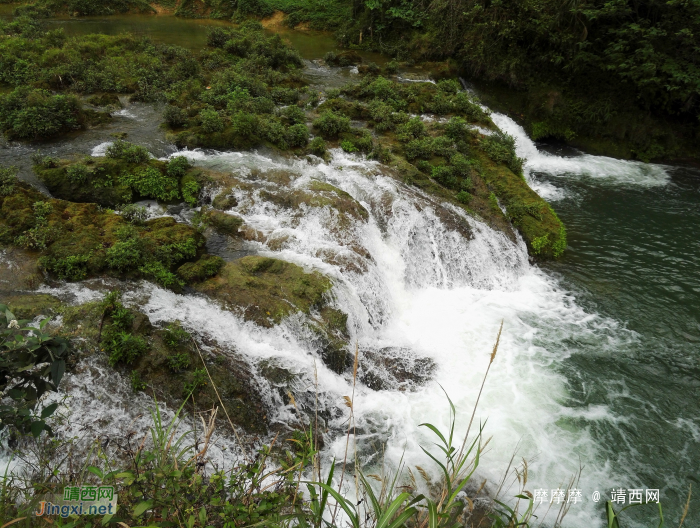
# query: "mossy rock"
[111,182]
[75,241]
[224,223]
[266,290]
[534,218]
[29,305]
[104,99]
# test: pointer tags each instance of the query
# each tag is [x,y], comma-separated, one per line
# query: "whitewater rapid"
[420,281]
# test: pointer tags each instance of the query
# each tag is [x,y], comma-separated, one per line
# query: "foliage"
[30,113]
[175,335]
[500,147]
[135,214]
[318,147]
[150,182]
[128,152]
[32,363]
[330,125]
[179,362]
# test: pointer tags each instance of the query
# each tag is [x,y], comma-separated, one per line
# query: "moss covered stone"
[266,290]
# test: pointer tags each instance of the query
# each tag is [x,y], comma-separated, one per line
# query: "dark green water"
[634,257]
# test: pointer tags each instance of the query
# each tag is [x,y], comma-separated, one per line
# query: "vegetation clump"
[79,240]
[127,173]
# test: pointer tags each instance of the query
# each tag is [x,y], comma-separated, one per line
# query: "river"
[598,362]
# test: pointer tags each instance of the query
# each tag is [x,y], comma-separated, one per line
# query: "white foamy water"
[419,280]
[427,280]
[601,169]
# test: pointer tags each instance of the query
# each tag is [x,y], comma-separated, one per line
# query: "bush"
[175,117]
[500,147]
[318,147]
[123,347]
[294,115]
[413,129]
[178,166]
[128,152]
[8,180]
[297,135]
[28,113]
[149,182]
[211,120]
[330,124]
[464,197]
[70,268]
[178,362]
[445,176]
[190,190]
[135,214]
[77,174]
[348,146]
[32,363]
[161,275]
[126,255]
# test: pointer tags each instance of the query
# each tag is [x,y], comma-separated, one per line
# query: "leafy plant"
[128,152]
[32,363]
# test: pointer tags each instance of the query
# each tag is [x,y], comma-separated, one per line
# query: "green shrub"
[190,191]
[445,176]
[77,173]
[128,152]
[198,379]
[150,182]
[178,166]
[134,214]
[466,106]
[245,125]
[259,8]
[32,363]
[449,86]
[211,120]
[28,113]
[456,128]
[44,162]
[464,197]
[392,67]
[330,125]
[175,117]
[70,268]
[348,146]
[126,255]
[123,347]
[413,129]
[137,384]
[318,147]
[500,147]
[175,335]
[41,234]
[178,362]
[294,115]
[297,135]
[8,180]
[122,318]
[161,275]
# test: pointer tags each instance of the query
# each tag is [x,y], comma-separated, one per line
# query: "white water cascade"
[425,286]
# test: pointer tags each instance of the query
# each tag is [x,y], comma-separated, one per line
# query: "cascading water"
[425,287]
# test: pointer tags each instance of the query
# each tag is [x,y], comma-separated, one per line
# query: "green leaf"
[203,515]
[142,507]
[48,410]
[57,370]
[95,471]
[37,428]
